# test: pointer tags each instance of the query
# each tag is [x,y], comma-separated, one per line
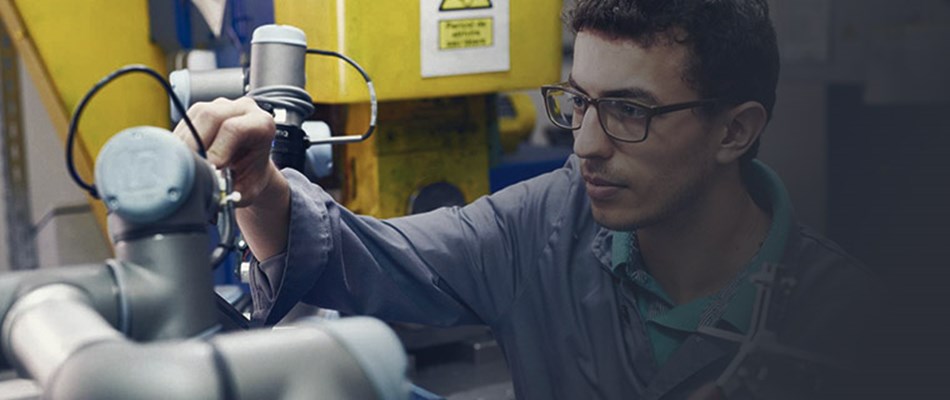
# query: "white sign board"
[460,37]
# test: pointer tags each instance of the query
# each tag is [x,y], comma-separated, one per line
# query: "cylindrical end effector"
[277,56]
[196,86]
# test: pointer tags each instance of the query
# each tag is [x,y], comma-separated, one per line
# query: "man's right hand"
[237,134]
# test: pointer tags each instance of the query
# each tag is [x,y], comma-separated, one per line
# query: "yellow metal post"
[68,46]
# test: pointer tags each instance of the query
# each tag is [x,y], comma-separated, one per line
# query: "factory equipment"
[439,66]
[438,73]
[276,80]
[144,324]
[438,95]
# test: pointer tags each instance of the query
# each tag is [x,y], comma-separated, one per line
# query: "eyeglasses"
[624,120]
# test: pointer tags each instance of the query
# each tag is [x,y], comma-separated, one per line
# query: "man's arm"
[264,222]
[452,266]
[447,267]
[350,266]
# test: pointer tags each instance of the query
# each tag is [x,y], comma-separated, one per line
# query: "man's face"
[636,185]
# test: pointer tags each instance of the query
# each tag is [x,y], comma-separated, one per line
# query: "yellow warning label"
[465,33]
[450,5]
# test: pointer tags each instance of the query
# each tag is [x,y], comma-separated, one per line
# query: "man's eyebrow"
[639,94]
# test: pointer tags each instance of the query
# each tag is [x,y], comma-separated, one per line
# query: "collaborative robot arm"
[145,324]
[276,79]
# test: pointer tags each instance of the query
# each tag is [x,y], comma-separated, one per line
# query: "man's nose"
[590,140]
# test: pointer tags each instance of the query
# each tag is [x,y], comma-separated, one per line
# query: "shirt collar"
[762,180]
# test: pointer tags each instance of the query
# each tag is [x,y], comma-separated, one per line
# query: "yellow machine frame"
[442,138]
[67,47]
[431,129]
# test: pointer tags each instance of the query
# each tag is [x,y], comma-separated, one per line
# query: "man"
[596,279]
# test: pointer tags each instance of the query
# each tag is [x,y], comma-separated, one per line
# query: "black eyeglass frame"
[651,110]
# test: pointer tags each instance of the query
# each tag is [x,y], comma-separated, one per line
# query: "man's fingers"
[239,134]
[236,134]
[207,118]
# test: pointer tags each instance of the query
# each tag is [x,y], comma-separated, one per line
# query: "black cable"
[372,101]
[74,121]
[342,57]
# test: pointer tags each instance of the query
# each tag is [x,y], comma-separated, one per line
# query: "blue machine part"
[177,25]
[319,163]
[529,161]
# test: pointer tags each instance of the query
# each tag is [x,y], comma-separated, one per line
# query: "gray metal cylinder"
[48,325]
[96,282]
[277,57]
[126,370]
[160,208]
[196,86]
[377,350]
[171,288]
[351,358]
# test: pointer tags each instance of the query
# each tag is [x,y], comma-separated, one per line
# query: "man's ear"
[742,126]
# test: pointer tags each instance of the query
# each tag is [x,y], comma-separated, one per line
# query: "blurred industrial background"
[861,136]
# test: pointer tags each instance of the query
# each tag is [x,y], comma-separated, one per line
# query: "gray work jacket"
[532,264]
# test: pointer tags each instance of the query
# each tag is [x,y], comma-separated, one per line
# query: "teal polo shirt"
[668,324]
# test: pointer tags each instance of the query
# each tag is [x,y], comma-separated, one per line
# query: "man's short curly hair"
[734,55]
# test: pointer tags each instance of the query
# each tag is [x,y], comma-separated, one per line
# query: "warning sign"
[465,33]
[450,5]
[463,37]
